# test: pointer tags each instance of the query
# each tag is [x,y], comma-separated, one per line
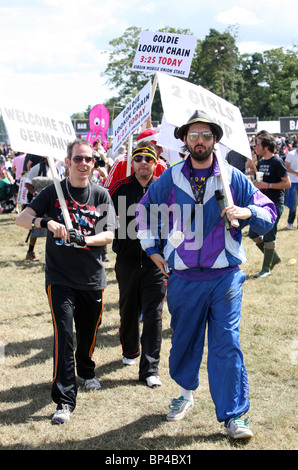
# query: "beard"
[201,154]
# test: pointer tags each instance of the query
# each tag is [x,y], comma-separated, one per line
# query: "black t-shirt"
[274,170]
[126,244]
[78,267]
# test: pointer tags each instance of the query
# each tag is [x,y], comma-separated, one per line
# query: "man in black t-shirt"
[75,274]
[142,286]
[275,181]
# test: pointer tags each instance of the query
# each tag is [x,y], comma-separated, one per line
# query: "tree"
[267,79]
[214,65]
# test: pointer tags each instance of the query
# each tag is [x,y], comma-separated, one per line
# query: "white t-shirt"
[33,173]
[292,158]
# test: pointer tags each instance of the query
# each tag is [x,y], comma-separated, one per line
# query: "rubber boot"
[267,262]
[275,260]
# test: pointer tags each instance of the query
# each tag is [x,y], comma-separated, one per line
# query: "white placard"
[22,192]
[164,52]
[133,116]
[37,130]
[180,99]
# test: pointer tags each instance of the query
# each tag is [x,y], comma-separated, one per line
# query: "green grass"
[127,415]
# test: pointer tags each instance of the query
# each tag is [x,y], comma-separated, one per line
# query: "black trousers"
[141,290]
[85,309]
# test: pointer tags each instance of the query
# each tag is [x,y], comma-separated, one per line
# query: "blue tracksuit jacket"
[207,247]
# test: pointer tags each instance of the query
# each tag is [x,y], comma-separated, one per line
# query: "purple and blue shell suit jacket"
[208,250]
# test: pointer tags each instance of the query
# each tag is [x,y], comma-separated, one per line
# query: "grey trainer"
[178,408]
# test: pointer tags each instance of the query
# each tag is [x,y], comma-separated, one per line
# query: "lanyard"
[199,192]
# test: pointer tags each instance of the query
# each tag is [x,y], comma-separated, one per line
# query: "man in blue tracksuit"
[202,254]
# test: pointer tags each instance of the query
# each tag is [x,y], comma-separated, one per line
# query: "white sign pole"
[153,90]
[129,153]
[225,184]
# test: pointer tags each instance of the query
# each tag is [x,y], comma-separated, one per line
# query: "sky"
[52,52]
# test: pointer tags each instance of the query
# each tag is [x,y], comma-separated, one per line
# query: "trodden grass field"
[126,414]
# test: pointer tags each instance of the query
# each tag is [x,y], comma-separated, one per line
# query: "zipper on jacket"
[141,254]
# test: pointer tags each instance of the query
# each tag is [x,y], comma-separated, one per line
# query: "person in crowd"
[17,165]
[40,169]
[100,156]
[75,274]
[275,181]
[237,160]
[118,170]
[17,170]
[292,194]
[142,286]
[5,181]
[180,214]
[31,160]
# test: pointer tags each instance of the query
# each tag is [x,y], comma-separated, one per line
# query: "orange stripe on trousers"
[55,332]
[96,328]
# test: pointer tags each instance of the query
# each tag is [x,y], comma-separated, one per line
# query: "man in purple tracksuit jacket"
[201,257]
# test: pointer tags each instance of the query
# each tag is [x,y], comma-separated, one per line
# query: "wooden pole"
[59,192]
[225,184]
[129,153]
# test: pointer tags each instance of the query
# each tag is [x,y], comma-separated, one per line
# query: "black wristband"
[32,223]
[44,222]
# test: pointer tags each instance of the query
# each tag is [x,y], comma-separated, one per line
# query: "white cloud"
[239,15]
[72,92]
[253,46]
[148,7]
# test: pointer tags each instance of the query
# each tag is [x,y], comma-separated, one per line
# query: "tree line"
[263,85]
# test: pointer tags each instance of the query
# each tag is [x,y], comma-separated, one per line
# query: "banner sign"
[164,52]
[181,98]
[133,116]
[22,192]
[37,130]
[288,124]
[251,125]
[81,126]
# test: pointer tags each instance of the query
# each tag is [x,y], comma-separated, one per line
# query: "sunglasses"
[78,159]
[147,158]
[206,135]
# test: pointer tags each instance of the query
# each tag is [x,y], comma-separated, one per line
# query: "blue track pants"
[193,305]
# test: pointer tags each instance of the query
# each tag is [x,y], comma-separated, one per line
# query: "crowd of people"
[195,260]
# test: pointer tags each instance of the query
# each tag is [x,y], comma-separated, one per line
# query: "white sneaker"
[62,415]
[290,227]
[178,408]
[153,381]
[129,362]
[239,428]
[92,384]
